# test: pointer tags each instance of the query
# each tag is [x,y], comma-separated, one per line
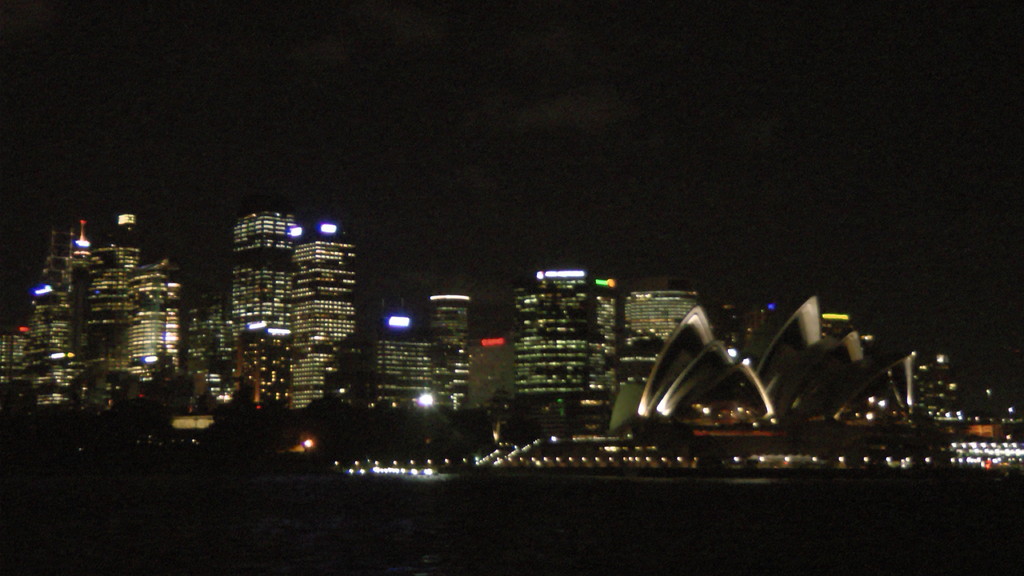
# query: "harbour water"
[507,525]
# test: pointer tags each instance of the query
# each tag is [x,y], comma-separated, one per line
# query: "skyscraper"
[449,330]
[263,242]
[261,291]
[565,350]
[322,310]
[50,361]
[110,303]
[154,331]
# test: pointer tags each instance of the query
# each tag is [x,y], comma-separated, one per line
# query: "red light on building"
[492,342]
[23,329]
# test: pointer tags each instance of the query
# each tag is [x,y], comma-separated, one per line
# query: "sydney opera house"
[796,374]
[792,390]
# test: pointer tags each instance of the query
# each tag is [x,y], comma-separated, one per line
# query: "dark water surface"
[326,524]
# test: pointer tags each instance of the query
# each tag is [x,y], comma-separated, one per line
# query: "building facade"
[110,302]
[153,336]
[264,363]
[209,358]
[652,309]
[403,363]
[937,393]
[449,330]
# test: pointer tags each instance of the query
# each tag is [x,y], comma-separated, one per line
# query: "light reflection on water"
[449,524]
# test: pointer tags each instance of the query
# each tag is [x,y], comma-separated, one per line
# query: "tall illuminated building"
[449,330]
[110,303]
[211,348]
[403,363]
[565,351]
[263,242]
[323,311]
[651,311]
[50,360]
[153,336]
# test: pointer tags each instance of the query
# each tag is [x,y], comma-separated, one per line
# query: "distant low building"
[403,363]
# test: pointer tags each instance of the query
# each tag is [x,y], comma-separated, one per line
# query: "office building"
[322,310]
[491,372]
[264,360]
[936,393]
[565,351]
[12,363]
[403,363]
[50,362]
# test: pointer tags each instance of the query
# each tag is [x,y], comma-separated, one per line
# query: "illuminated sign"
[278,331]
[835,316]
[449,297]
[256,325]
[771,306]
[399,321]
[44,289]
[492,342]
[23,329]
[609,282]
[560,274]
[124,219]
[150,359]
[295,231]
[328,228]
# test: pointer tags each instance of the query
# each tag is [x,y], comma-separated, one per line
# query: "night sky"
[871,155]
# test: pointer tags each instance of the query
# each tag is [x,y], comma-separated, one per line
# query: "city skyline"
[291,299]
[870,158]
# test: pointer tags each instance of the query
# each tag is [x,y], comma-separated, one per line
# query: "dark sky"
[871,155]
